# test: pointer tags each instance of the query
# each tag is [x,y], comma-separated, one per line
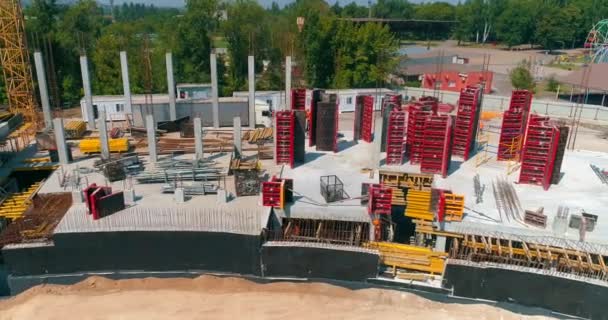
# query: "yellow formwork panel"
[454,207]
[94,145]
[409,257]
[418,205]
[16,204]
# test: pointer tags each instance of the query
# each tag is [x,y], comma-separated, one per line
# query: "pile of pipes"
[171,170]
[117,169]
[479,189]
[192,190]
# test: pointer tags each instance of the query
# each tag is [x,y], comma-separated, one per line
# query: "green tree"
[555,26]
[352,10]
[318,48]
[246,33]
[393,9]
[521,78]
[515,25]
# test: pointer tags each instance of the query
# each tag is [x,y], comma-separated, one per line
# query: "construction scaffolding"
[15,59]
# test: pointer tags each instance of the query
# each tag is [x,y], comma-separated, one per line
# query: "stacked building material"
[75,129]
[285,126]
[16,204]
[467,118]
[417,115]
[101,202]
[298,99]
[394,137]
[380,198]
[327,124]
[94,145]
[273,193]
[418,205]
[450,206]
[514,123]
[436,144]
[367,117]
[540,149]
[247,182]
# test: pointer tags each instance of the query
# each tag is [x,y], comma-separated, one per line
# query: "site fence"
[500,103]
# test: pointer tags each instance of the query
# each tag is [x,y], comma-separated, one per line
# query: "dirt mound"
[229,298]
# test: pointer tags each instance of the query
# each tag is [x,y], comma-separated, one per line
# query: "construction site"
[417,194]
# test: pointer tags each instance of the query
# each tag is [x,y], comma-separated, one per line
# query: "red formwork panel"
[540,149]
[417,115]
[431,102]
[367,118]
[272,194]
[380,198]
[394,137]
[298,99]
[436,155]
[285,126]
[465,126]
[514,123]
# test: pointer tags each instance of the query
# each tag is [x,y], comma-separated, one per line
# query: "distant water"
[412,50]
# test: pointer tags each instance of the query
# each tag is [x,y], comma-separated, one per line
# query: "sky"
[180,3]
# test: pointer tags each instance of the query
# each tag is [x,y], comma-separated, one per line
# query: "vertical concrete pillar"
[287,83]
[251,77]
[88,95]
[151,129]
[238,146]
[377,145]
[214,92]
[62,148]
[103,135]
[44,92]
[171,86]
[198,138]
[126,86]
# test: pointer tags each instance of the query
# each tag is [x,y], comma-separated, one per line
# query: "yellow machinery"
[16,204]
[408,257]
[419,205]
[75,129]
[15,60]
[94,145]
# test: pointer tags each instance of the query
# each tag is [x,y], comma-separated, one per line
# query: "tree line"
[328,50]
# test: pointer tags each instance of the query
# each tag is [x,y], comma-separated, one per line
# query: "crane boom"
[15,60]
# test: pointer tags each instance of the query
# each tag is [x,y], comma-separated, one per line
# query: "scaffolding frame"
[15,59]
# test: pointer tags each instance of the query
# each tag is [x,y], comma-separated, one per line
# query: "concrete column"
[377,145]
[287,83]
[44,92]
[151,129]
[214,92]
[126,86]
[251,77]
[238,146]
[198,138]
[103,135]
[62,148]
[171,86]
[88,95]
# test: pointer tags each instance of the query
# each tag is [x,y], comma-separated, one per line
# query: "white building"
[115,106]
[346,97]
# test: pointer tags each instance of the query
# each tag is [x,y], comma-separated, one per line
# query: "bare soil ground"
[209,297]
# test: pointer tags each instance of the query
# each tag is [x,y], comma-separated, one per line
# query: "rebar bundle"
[479,189]
[507,201]
[192,190]
[171,175]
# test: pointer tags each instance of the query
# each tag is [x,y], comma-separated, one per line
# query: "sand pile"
[209,297]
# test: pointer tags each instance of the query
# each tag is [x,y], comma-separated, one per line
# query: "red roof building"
[456,81]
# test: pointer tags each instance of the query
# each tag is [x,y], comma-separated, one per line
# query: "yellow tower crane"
[15,60]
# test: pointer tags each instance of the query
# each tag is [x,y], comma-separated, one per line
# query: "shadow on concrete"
[454,166]
[343,144]
[312,156]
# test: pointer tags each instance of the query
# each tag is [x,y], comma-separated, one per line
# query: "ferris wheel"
[597,42]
